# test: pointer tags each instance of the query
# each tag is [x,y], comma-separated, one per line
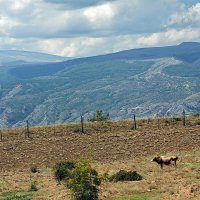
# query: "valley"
[149,82]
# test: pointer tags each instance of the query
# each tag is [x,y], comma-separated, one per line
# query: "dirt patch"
[101,142]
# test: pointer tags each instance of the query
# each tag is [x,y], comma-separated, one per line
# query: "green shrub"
[99,115]
[16,196]
[33,187]
[84,181]
[105,177]
[137,197]
[198,123]
[196,115]
[123,175]
[178,119]
[62,170]
[77,130]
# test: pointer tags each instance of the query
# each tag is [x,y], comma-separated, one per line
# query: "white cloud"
[42,20]
[83,28]
[7,42]
[99,14]
[82,46]
[19,4]
[190,17]
[169,37]
[6,24]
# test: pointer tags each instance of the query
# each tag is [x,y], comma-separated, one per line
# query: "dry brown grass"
[111,146]
[181,182]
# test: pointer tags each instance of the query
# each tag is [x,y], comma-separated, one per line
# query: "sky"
[79,28]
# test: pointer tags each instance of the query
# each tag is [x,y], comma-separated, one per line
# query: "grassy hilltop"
[110,146]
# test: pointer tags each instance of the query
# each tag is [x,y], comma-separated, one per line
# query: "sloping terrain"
[12,57]
[111,146]
[11,60]
[104,141]
[152,81]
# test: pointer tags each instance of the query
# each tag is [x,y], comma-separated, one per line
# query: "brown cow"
[165,160]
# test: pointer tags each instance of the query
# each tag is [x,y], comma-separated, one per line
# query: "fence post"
[82,128]
[1,136]
[54,130]
[158,120]
[183,113]
[27,128]
[24,132]
[134,125]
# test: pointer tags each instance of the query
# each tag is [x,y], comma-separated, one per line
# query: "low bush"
[62,170]
[77,130]
[105,177]
[99,115]
[196,115]
[123,175]
[33,187]
[178,119]
[16,195]
[198,123]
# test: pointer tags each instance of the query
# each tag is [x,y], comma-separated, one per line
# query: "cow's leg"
[161,165]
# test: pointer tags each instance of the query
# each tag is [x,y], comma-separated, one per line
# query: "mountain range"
[47,89]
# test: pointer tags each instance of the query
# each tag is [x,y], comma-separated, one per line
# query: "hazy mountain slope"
[16,65]
[187,51]
[121,85]
[28,71]
[13,56]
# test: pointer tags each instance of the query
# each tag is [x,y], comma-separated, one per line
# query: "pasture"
[110,146]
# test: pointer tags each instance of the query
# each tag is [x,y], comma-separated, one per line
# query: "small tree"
[62,170]
[84,181]
[99,115]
